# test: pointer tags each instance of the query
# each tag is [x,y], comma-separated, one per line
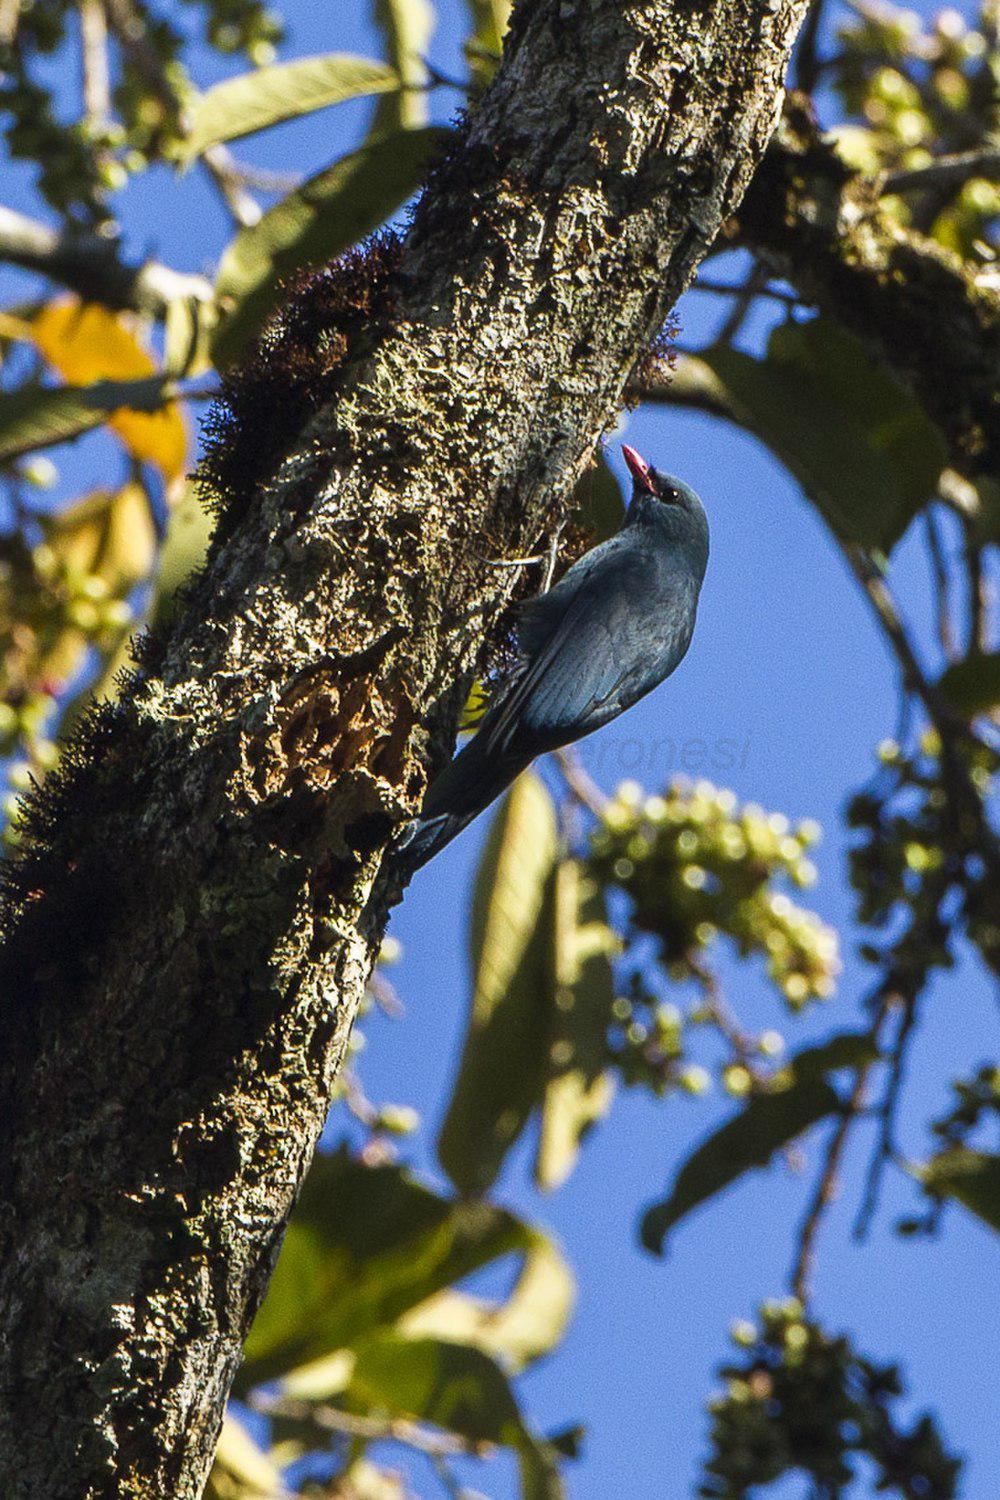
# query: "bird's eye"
[669,494]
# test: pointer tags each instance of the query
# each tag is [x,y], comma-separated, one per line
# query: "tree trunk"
[201,893]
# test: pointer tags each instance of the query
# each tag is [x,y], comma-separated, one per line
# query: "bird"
[614,627]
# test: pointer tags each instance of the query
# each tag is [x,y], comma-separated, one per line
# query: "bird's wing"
[570,675]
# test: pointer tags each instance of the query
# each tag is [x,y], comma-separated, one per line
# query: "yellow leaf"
[85,343]
[517,1331]
[110,534]
[579,1089]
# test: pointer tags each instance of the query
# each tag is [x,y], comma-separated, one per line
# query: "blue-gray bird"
[614,627]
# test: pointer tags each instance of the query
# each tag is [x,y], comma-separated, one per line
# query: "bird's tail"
[474,779]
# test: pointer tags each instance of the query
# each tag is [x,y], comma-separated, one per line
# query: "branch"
[200,898]
[90,266]
[950,172]
[827,1183]
[824,229]
[369,1429]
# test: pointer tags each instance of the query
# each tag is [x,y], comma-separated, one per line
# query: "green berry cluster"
[651,1043]
[919,90]
[696,867]
[63,601]
[244,26]
[922,822]
[71,176]
[82,162]
[798,1399]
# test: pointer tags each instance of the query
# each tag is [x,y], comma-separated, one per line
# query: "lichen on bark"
[191,928]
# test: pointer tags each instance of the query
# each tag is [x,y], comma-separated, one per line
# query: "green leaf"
[489,18]
[528,1324]
[842,422]
[313,225]
[972,1177]
[189,527]
[407,27]
[973,685]
[598,503]
[37,416]
[800,1095]
[579,1089]
[253,101]
[365,1245]
[501,1074]
[456,1388]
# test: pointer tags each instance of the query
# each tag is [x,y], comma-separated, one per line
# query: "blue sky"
[787,663]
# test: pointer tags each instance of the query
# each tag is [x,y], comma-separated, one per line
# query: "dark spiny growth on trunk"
[202,893]
[814,221]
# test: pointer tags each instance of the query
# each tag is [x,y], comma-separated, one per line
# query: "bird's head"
[678,510]
[663,487]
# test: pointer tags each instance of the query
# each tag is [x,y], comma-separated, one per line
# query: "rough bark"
[190,938]
[823,227]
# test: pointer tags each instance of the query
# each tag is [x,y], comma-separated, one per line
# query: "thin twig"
[970,823]
[877,592]
[10,15]
[884,1149]
[750,290]
[806,65]
[94,62]
[827,1182]
[978,593]
[513,562]
[385,995]
[369,1429]
[581,784]
[942,584]
[724,1017]
[264,179]
[728,289]
[551,558]
[826,1188]
[129,27]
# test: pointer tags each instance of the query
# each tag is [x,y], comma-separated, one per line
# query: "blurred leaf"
[971,1177]
[313,225]
[800,1096]
[973,685]
[842,422]
[35,416]
[490,18]
[598,503]
[407,27]
[500,1077]
[86,342]
[242,1470]
[365,1245]
[187,328]
[253,101]
[455,1388]
[362,1480]
[109,533]
[526,1325]
[579,1089]
[184,546]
